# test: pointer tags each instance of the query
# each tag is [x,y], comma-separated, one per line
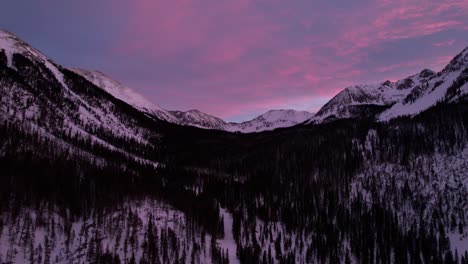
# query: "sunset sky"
[236,59]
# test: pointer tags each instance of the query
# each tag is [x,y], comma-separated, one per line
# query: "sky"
[236,59]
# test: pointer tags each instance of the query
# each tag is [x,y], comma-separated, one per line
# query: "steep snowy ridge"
[36,92]
[346,104]
[434,90]
[125,94]
[406,97]
[12,44]
[458,63]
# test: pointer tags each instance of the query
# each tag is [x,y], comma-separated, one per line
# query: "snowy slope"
[346,103]
[198,119]
[125,94]
[12,44]
[435,90]
[37,93]
[437,184]
[270,120]
[406,97]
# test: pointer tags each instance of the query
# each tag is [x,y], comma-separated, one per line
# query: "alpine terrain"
[93,172]
[271,120]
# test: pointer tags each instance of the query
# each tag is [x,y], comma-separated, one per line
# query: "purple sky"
[238,58]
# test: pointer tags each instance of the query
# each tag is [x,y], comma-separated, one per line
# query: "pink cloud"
[243,55]
[392,67]
[401,19]
[288,70]
[444,43]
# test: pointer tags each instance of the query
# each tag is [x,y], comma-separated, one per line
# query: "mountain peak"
[458,62]
[357,100]
[285,114]
[199,119]
[271,120]
[426,73]
[11,44]
[387,100]
[431,88]
[195,111]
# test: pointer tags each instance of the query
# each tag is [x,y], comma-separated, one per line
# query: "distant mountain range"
[386,100]
[268,121]
[383,101]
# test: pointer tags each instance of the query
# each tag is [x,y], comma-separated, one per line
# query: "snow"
[380,94]
[435,92]
[228,243]
[439,179]
[405,97]
[7,44]
[464,89]
[124,93]
[429,98]
[198,119]
[374,94]
[113,232]
[270,120]
[22,106]
[459,242]
[12,44]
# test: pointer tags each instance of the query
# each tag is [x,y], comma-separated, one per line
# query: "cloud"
[239,58]
[233,58]
[444,43]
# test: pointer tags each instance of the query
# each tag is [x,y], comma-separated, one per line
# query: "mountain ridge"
[194,117]
[405,97]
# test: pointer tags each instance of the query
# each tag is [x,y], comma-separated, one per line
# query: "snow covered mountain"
[408,96]
[125,94]
[449,84]
[270,120]
[355,100]
[41,97]
[198,119]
